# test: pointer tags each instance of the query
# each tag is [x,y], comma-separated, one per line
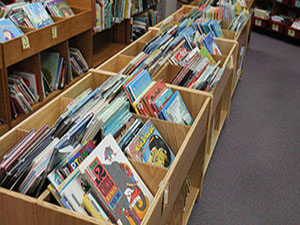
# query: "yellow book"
[55,195]
[93,210]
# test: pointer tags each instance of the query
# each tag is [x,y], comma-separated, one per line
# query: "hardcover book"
[117,185]
[149,146]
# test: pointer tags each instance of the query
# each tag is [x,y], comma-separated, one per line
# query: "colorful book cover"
[211,45]
[159,101]
[149,147]
[116,183]
[139,84]
[8,30]
[37,15]
[61,8]
[176,111]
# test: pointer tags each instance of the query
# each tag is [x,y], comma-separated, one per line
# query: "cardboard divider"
[116,63]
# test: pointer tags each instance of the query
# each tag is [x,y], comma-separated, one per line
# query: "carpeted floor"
[254,175]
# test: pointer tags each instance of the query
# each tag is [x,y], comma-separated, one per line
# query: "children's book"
[176,111]
[8,30]
[117,185]
[148,146]
[37,15]
[211,45]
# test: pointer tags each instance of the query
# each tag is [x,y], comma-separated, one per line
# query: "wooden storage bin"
[41,39]
[277,27]
[116,64]
[221,102]
[188,143]
[291,32]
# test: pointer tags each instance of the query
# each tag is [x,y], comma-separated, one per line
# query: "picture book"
[8,30]
[117,185]
[37,15]
[148,146]
[59,8]
[50,63]
[211,45]
[176,111]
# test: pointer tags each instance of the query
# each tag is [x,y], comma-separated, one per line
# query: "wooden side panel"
[17,208]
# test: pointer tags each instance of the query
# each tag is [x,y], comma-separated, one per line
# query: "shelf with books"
[37,40]
[187,142]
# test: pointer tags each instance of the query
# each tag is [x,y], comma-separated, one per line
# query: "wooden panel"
[43,117]
[17,208]
[134,49]
[115,64]
[167,73]
[10,139]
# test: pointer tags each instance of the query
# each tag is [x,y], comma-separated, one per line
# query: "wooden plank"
[17,208]
[190,202]
[116,64]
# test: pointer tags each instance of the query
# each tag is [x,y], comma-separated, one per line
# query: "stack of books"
[23,91]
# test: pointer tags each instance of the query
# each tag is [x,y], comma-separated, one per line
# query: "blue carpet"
[254,175]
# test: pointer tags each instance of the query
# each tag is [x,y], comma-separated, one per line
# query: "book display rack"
[221,94]
[26,55]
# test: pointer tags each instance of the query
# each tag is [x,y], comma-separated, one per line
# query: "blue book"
[37,15]
[176,111]
[211,45]
[8,30]
[139,84]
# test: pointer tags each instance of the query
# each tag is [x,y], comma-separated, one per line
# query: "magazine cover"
[148,146]
[8,30]
[119,188]
[176,111]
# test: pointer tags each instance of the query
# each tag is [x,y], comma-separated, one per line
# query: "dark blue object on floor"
[254,175]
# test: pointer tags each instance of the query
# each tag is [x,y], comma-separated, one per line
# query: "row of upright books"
[56,72]
[107,13]
[33,15]
[83,158]
[142,22]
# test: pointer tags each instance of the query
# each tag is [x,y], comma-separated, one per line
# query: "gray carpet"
[254,175]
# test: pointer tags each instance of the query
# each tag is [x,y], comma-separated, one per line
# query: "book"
[149,147]
[51,62]
[176,111]
[59,8]
[116,183]
[37,15]
[8,30]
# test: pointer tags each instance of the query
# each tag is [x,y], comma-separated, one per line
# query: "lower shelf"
[189,205]
[50,97]
[237,79]
[105,51]
[217,133]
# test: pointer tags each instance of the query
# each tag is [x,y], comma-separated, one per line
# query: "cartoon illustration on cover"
[120,187]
